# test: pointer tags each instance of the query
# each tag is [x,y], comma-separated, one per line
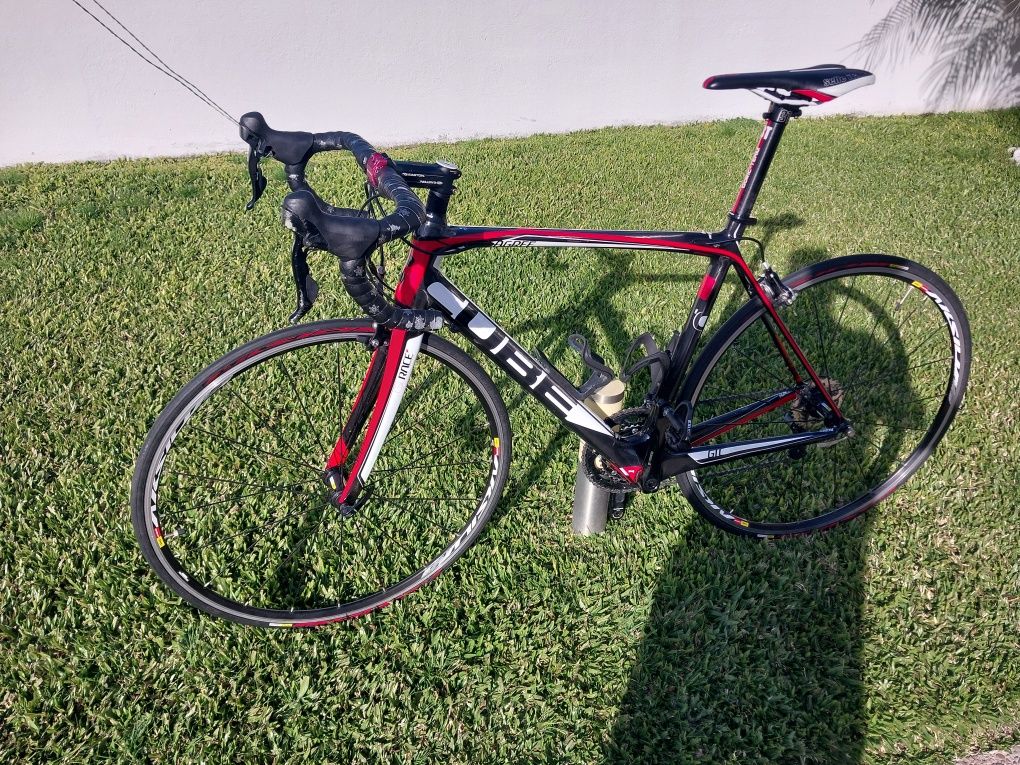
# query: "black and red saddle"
[798,87]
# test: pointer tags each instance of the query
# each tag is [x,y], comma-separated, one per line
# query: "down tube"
[547,385]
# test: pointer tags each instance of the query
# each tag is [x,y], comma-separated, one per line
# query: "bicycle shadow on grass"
[752,650]
[750,654]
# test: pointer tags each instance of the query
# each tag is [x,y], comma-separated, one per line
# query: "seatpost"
[775,122]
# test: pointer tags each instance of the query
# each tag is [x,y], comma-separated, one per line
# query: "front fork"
[381,394]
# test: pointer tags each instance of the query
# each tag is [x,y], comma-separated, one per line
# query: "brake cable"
[373,206]
[760,245]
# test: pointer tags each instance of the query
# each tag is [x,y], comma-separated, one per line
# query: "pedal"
[617,504]
[601,373]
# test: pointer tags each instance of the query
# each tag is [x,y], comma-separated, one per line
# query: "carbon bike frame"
[645,458]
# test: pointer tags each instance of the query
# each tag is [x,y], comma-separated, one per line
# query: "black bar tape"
[348,234]
[352,239]
[295,148]
[367,293]
[409,213]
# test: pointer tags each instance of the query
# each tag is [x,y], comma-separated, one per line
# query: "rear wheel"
[890,342]
[229,502]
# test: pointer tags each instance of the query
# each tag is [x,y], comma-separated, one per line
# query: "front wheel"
[230,506]
[890,342]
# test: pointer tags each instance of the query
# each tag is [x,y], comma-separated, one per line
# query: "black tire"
[228,502]
[888,337]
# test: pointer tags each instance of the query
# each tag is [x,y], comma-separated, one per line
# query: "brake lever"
[258,180]
[307,289]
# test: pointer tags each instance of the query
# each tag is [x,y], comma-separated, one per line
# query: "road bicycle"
[327,469]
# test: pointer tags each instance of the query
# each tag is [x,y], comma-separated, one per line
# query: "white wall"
[403,71]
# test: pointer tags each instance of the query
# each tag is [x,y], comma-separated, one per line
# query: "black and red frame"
[645,458]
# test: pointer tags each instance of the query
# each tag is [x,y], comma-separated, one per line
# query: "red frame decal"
[705,290]
[817,95]
[375,165]
[750,167]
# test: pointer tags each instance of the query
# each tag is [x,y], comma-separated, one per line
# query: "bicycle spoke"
[261,527]
[756,394]
[857,462]
[409,509]
[256,449]
[849,290]
[871,381]
[905,321]
[303,541]
[832,493]
[225,480]
[821,344]
[269,490]
[926,339]
[744,469]
[419,421]
[339,386]
[431,499]
[419,458]
[917,429]
[384,532]
[301,403]
[874,328]
[431,465]
[265,422]
[758,365]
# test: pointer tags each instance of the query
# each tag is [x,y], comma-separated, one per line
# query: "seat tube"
[681,346]
[776,119]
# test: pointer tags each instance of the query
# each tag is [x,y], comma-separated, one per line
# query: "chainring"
[625,422]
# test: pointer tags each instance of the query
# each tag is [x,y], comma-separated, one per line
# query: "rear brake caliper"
[775,287]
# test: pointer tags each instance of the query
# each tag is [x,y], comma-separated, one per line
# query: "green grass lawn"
[895,638]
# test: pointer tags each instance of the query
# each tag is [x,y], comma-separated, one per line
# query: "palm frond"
[976,45]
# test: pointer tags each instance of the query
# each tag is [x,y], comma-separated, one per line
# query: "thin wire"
[165,68]
[169,69]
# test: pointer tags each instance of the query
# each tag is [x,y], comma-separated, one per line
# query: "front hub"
[334,480]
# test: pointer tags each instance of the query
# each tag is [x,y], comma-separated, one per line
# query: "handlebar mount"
[349,234]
